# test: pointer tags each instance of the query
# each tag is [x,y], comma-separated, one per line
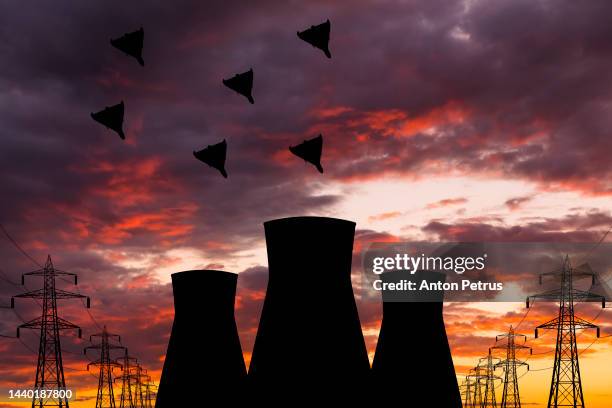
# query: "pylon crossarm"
[551,324]
[584,324]
[100,362]
[584,296]
[62,324]
[33,294]
[556,272]
[63,294]
[549,295]
[579,272]
[49,272]
[32,324]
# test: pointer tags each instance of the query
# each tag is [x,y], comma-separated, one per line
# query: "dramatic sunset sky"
[442,120]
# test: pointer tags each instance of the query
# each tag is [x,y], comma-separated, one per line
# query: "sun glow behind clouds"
[402,206]
[159,266]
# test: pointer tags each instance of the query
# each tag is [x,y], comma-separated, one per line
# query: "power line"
[19,248]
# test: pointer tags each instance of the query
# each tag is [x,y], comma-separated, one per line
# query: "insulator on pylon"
[18,332]
[22,280]
[536,333]
[80,333]
[88,303]
[12,303]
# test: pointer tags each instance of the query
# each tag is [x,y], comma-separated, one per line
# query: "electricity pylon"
[476,375]
[489,380]
[150,394]
[510,395]
[106,396]
[127,379]
[141,378]
[566,384]
[50,368]
[467,389]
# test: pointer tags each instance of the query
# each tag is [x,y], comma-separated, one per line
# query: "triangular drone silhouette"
[242,83]
[112,118]
[310,151]
[131,44]
[214,156]
[317,36]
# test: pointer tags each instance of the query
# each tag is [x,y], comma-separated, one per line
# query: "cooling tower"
[412,353]
[309,344]
[204,365]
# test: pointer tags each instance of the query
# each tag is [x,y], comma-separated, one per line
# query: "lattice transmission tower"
[489,378]
[106,396]
[49,369]
[566,383]
[128,380]
[513,342]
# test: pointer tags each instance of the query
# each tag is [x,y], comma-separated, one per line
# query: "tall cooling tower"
[412,354]
[204,365]
[309,344]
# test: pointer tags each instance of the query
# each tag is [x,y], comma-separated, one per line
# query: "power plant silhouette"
[309,343]
[412,334]
[203,298]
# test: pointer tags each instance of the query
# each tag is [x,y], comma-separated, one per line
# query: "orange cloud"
[447,202]
[384,216]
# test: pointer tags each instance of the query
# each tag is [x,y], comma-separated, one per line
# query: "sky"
[442,120]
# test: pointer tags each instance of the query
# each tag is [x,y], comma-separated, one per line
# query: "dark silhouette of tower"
[468,391]
[309,345]
[478,373]
[510,395]
[412,334]
[128,365]
[489,398]
[242,84]
[317,36]
[50,369]
[150,394]
[131,44]
[566,383]
[106,396]
[214,156]
[310,150]
[204,338]
[141,378]
[112,118]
